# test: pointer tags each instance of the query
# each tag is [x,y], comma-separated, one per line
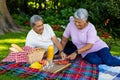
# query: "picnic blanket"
[78,70]
[109,72]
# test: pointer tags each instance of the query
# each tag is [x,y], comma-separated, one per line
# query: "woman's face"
[80,24]
[38,27]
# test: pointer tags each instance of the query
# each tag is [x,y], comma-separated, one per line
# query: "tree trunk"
[7,24]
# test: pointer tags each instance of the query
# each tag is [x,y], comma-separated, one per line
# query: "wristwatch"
[61,51]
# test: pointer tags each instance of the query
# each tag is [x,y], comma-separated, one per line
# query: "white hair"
[35,18]
[81,13]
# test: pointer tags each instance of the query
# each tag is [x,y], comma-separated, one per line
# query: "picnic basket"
[33,54]
[36,55]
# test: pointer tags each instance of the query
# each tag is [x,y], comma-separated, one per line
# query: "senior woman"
[42,35]
[84,36]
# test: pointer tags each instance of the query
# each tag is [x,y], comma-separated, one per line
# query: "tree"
[7,24]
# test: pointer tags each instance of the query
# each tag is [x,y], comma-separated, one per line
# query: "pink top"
[81,37]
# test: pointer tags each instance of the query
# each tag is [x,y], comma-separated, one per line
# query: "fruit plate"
[56,67]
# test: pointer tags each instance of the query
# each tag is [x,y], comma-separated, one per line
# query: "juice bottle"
[50,53]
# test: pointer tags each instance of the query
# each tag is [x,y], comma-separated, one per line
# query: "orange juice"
[50,53]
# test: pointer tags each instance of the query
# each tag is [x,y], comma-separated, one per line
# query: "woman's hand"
[72,56]
[63,55]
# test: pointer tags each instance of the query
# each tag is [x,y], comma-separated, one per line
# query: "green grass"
[8,39]
[19,38]
[115,50]
[10,77]
[5,42]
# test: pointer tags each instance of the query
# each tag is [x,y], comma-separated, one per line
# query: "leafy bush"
[101,11]
[57,17]
[105,36]
[113,9]
[22,20]
[58,13]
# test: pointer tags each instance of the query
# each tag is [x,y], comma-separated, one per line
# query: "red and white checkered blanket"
[18,56]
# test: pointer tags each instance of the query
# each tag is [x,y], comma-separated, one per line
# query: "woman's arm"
[85,48]
[64,41]
[80,51]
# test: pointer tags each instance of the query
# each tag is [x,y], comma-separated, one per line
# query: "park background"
[15,15]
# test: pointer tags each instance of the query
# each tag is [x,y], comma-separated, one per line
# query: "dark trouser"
[69,48]
[102,56]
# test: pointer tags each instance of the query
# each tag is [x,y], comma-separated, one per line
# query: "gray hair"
[35,18]
[81,13]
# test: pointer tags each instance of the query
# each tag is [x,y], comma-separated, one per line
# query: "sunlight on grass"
[12,41]
[115,53]
[3,47]
[6,43]
[115,50]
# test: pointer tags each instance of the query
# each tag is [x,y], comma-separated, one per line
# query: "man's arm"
[59,46]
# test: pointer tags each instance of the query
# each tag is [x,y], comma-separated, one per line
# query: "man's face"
[38,27]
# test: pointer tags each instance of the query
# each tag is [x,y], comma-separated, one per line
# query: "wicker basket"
[36,55]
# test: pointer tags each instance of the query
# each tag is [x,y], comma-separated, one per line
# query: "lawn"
[19,38]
